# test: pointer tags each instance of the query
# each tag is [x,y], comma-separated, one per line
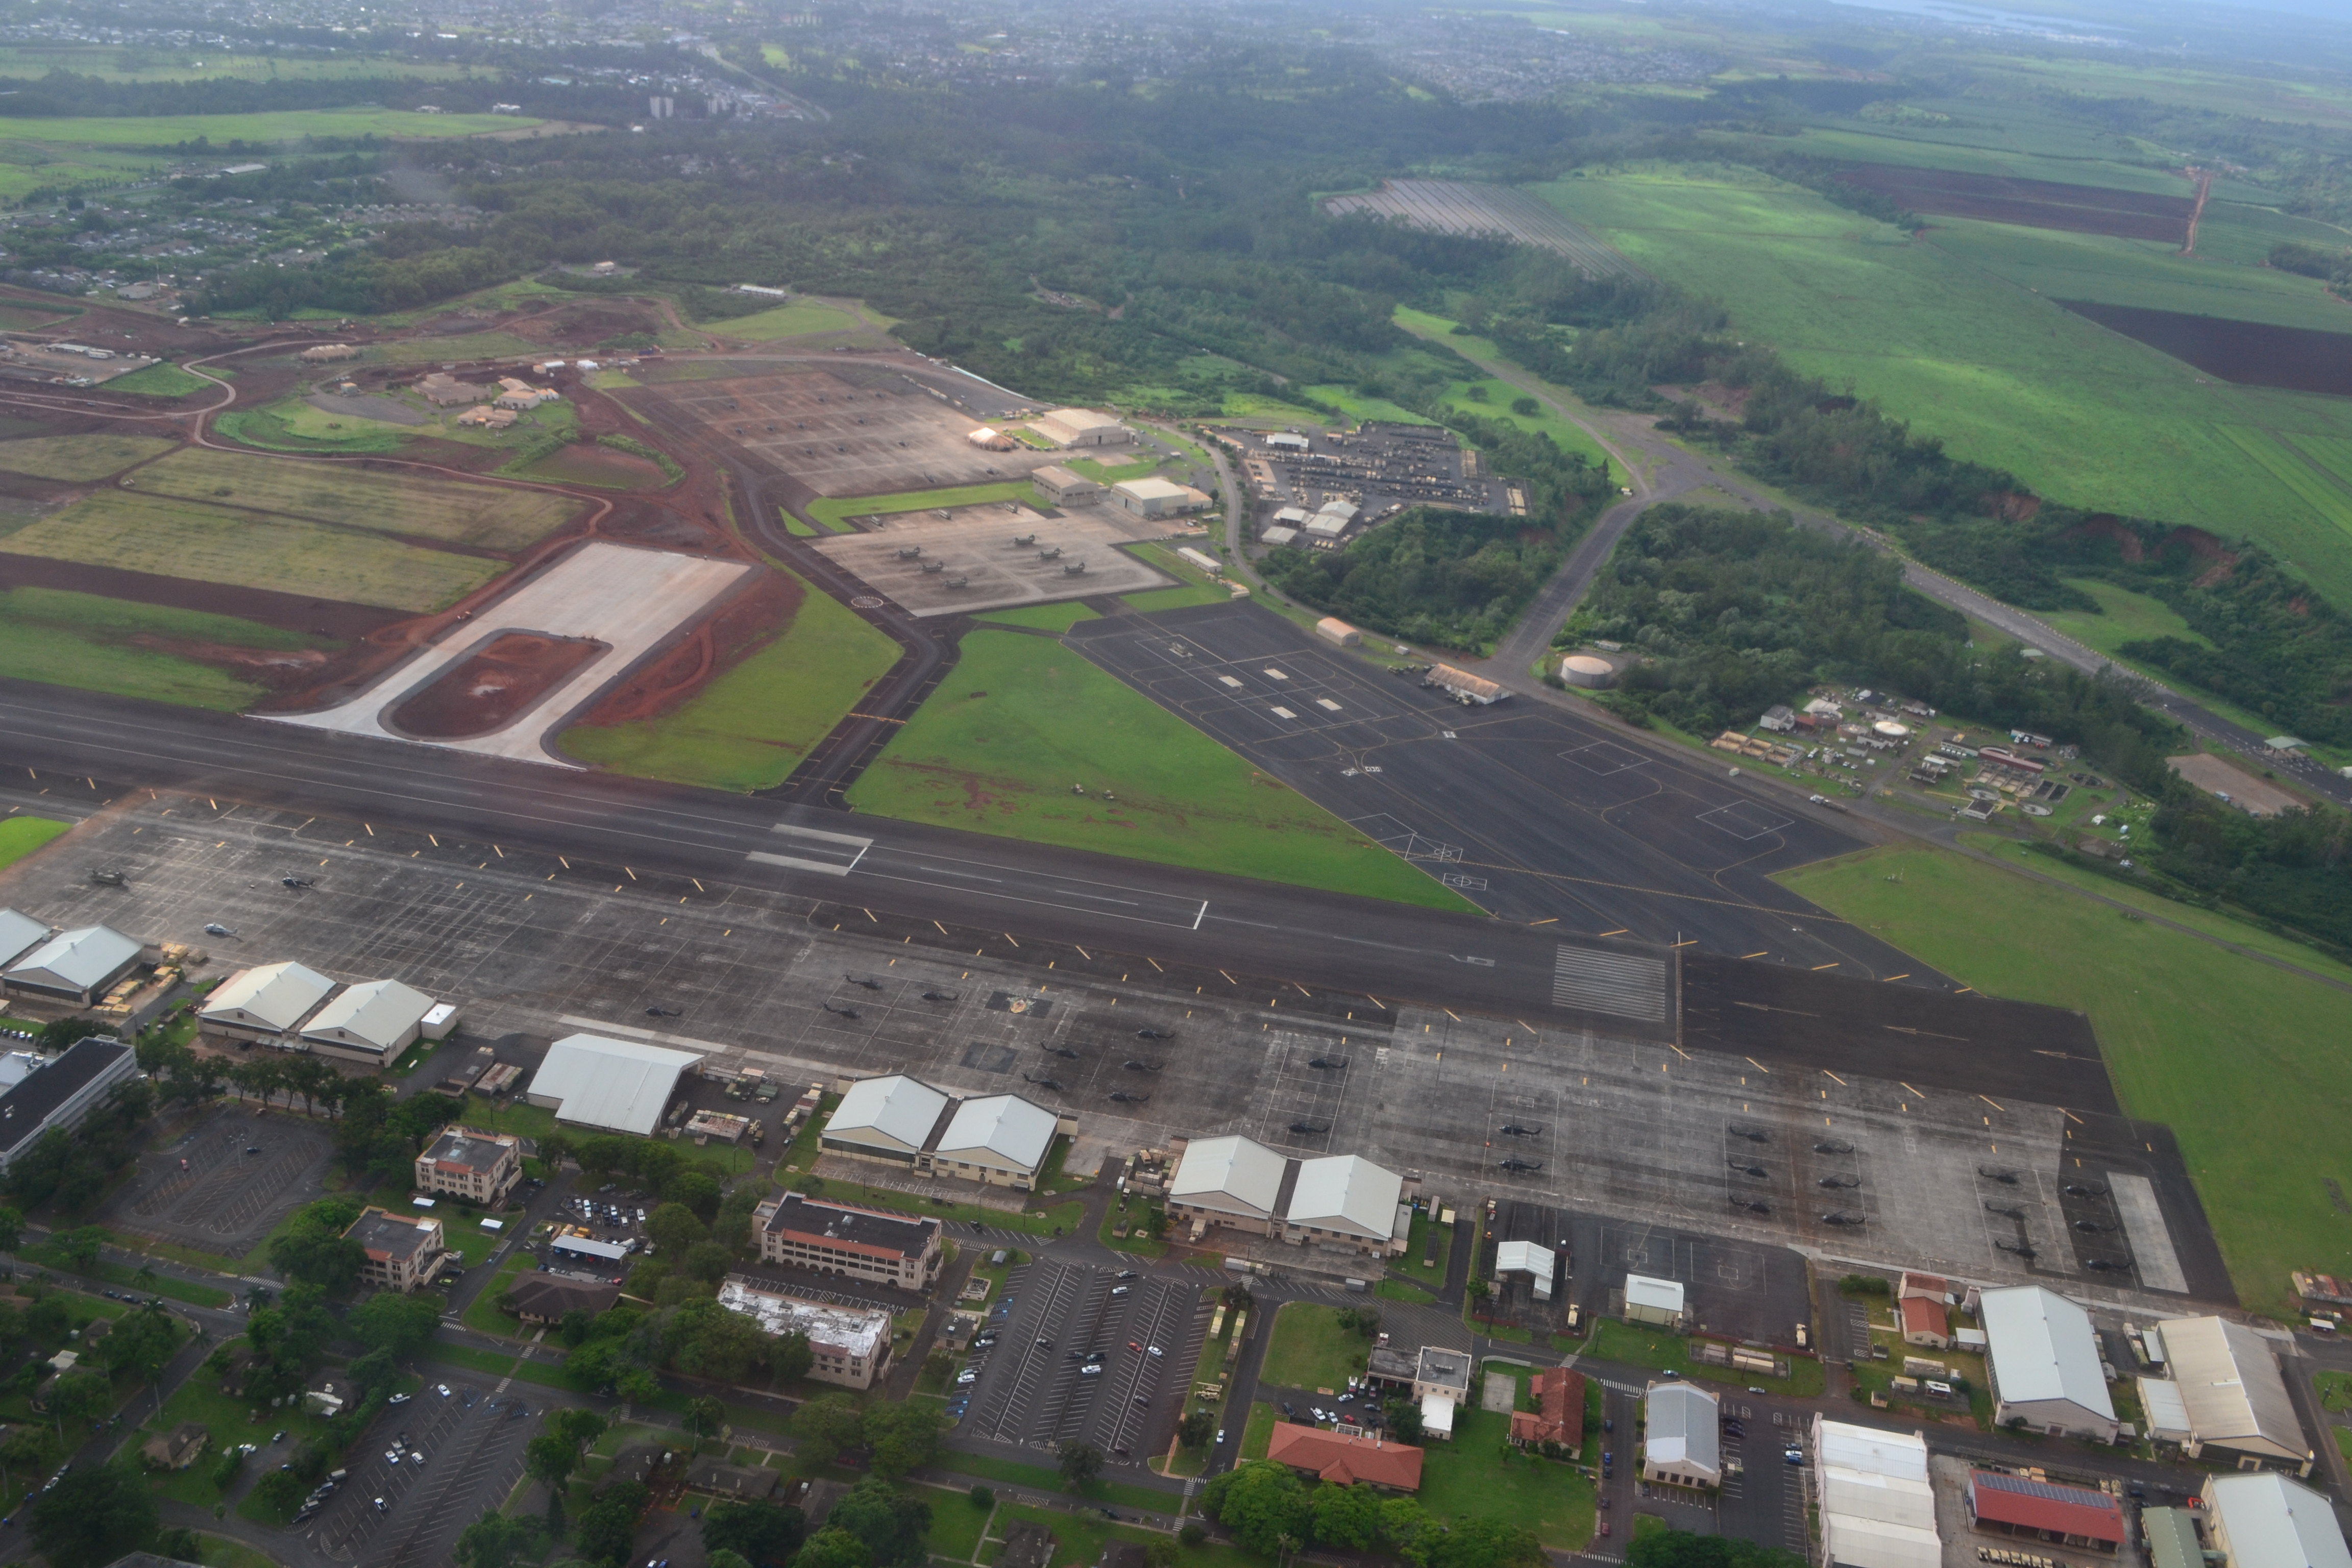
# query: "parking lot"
[1034,1387]
[1741,1289]
[224,1184]
[986,557]
[464,1454]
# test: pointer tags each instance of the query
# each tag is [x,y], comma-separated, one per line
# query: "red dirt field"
[2250,353]
[485,690]
[585,463]
[2033,204]
[755,615]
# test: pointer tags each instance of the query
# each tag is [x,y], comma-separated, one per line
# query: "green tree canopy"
[892,1525]
[765,1533]
[1260,1502]
[833,1547]
[93,1516]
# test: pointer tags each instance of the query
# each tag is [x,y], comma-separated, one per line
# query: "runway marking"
[1284,713]
[1622,985]
[1744,821]
[1229,680]
[818,842]
[1327,703]
[1604,758]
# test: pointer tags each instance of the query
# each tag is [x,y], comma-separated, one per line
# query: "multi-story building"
[872,1245]
[849,1346]
[463,1163]
[403,1253]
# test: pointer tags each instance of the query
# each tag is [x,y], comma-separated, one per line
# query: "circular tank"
[1892,731]
[1587,670]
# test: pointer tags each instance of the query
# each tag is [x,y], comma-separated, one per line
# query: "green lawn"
[483,1312]
[1079,1542]
[288,125]
[1054,1221]
[1041,618]
[996,748]
[1310,1349]
[1358,408]
[231,1421]
[159,381]
[798,319]
[20,836]
[1194,585]
[2242,1060]
[1012,1472]
[957,1525]
[2334,1391]
[117,644]
[1948,331]
[122,1274]
[1479,1475]
[833,512]
[1637,1344]
[1257,1435]
[751,727]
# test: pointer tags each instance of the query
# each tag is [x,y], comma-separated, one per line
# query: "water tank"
[1588,671]
[1892,731]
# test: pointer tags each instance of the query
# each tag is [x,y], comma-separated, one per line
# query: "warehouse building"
[849,1346]
[2269,1522]
[76,966]
[1233,1181]
[1540,1264]
[1081,428]
[617,1086]
[873,1245]
[1877,1506]
[372,1022]
[2030,1510]
[1156,496]
[2043,1363]
[2232,1394]
[61,1093]
[1649,1300]
[1003,1139]
[1066,487]
[20,933]
[577,1249]
[403,1253]
[1682,1442]
[266,1002]
[1340,1201]
[481,1167]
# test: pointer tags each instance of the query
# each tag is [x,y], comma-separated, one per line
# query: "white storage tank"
[1588,671]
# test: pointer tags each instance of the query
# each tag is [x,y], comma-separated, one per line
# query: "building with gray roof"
[618,1086]
[59,1095]
[265,1002]
[1003,1139]
[1339,1200]
[374,1021]
[2269,1522]
[20,933]
[2044,1361]
[77,966]
[1682,1445]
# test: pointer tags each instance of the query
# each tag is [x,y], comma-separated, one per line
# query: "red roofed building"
[1559,1416]
[873,1245]
[2037,1511]
[1924,1323]
[1343,1460]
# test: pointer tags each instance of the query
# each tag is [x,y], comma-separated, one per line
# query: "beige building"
[1339,1201]
[1155,497]
[266,1002]
[1003,1139]
[1081,428]
[2232,1395]
[1066,487]
[372,1022]
[402,1254]
[873,1245]
[849,1346]
[463,1163]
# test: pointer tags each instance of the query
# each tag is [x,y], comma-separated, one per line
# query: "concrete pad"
[1499,1394]
[2217,776]
[626,598]
[975,546]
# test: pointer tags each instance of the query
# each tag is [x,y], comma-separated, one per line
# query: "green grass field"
[2123,616]
[1358,408]
[134,63]
[159,381]
[172,538]
[997,746]
[1478,1475]
[288,125]
[1948,333]
[20,836]
[1310,1350]
[494,517]
[77,459]
[2238,1057]
[116,645]
[751,727]
[1043,618]
[833,512]
[796,319]
[291,425]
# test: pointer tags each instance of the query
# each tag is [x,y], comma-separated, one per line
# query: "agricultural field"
[493,517]
[78,459]
[799,319]
[1937,333]
[2237,1057]
[288,125]
[135,63]
[751,727]
[97,644]
[173,538]
[996,747]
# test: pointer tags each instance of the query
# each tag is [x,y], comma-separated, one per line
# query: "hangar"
[1231,1180]
[2044,1361]
[1877,1506]
[2232,1392]
[372,1022]
[265,1001]
[1000,1139]
[616,1085]
[75,966]
[1338,1200]
[2269,1522]
[20,933]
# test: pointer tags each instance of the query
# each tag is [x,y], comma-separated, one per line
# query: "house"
[873,1245]
[76,966]
[850,1346]
[1779,718]
[2269,1522]
[1654,1301]
[2043,1363]
[1080,427]
[639,1462]
[1002,1139]
[372,1022]
[2232,1395]
[61,1094]
[266,1002]
[463,1163]
[1926,1287]
[1344,1460]
[545,1299]
[403,1253]
[1155,497]
[446,391]
[2043,1510]
[1066,487]
[1558,1419]
[523,398]
[479,418]
[1924,1322]
[1877,1507]
[745,1483]
[178,1449]
[1681,1439]
[1028,1545]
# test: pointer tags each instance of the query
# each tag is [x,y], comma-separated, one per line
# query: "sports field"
[1949,332]
[495,517]
[750,728]
[174,538]
[76,458]
[20,836]
[2240,1060]
[97,644]
[288,125]
[996,748]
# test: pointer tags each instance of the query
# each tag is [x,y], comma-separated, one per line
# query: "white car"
[442,1389]
[1153,1350]
[397,1399]
[968,1375]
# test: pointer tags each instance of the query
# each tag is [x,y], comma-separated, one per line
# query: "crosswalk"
[1621,984]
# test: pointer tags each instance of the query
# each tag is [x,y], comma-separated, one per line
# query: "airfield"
[962,559]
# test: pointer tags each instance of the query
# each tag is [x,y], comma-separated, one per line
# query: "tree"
[141,1343]
[12,1228]
[1347,1517]
[496,1541]
[280,1492]
[673,1227]
[93,1516]
[577,1427]
[1159,1553]
[1477,1543]
[823,1428]
[25,1450]
[608,1524]
[764,1532]
[728,1560]
[703,1338]
[1681,1549]
[709,1261]
[314,1250]
[1404,1420]
[903,1438]
[892,1525]
[82,1246]
[1197,1428]
[705,1416]
[388,1321]
[64,1032]
[1260,1502]
[78,1396]
[1079,1463]
[697,1190]
[790,1357]
[982,1497]
[834,1548]
[550,1460]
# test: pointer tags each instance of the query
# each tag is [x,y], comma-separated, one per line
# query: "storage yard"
[987,557]
[1322,487]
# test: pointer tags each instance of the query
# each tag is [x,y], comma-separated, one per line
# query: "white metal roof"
[1081,418]
[2230,1383]
[1346,1193]
[2167,1413]
[1005,1125]
[19,934]
[1868,1451]
[2042,1349]
[1660,1295]
[268,995]
[80,959]
[1152,487]
[895,1108]
[617,1085]
[1682,1429]
[1523,1258]
[1436,1414]
[2276,1521]
[375,1011]
[1232,1174]
[1878,1510]
[1853,1543]
[852,1330]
